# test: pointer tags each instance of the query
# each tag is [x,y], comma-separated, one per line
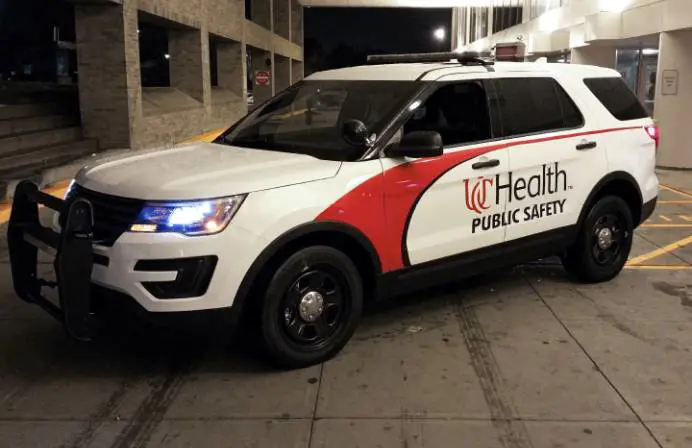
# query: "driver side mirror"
[417,144]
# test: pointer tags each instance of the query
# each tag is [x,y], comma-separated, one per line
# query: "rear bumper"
[648,209]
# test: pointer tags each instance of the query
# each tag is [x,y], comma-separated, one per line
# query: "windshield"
[308,117]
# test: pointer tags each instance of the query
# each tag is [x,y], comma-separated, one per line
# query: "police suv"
[352,185]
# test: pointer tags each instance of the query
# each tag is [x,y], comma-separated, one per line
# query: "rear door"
[556,155]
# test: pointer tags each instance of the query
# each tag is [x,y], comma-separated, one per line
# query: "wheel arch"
[621,184]
[343,237]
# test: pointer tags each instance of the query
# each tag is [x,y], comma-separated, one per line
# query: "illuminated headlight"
[190,217]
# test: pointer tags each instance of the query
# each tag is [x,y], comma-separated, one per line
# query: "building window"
[478,25]
[539,7]
[214,61]
[248,9]
[154,59]
[506,14]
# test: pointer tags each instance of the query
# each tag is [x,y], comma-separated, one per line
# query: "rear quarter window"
[535,105]
[617,97]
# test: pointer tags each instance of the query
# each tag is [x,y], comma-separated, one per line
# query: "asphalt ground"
[520,357]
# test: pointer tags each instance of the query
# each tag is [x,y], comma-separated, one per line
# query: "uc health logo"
[477,193]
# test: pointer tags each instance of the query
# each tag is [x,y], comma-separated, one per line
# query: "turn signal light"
[654,133]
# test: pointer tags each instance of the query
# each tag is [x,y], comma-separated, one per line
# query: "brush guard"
[73,252]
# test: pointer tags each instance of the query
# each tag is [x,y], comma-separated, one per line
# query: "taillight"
[654,133]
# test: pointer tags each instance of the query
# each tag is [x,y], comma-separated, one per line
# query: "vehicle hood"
[200,170]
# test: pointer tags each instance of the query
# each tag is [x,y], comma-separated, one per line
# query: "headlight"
[190,217]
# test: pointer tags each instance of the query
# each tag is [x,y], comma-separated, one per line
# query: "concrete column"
[109,73]
[296,22]
[262,13]
[297,71]
[454,32]
[491,21]
[259,63]
[282,70]
[599,55]
[467,25]
[282,18]
[189,62]
[232,67]
[673,99]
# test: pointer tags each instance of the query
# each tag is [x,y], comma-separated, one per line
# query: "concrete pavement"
[517,358]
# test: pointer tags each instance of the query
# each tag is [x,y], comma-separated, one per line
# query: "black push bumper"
[73,252]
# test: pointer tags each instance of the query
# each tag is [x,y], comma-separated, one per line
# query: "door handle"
[586,145]
[485,164]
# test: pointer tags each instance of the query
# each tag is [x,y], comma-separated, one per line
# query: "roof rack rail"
[463,57]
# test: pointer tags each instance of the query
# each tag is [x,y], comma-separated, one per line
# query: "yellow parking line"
[291,114]
[206,137]
[676,190]
[666,226]
[661,267]
[686,218]
[661,251]
[665,218]
[674,202]
[57,189]
[5,210]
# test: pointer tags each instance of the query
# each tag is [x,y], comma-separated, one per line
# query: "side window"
[617,97]
[459,112]
[532,105]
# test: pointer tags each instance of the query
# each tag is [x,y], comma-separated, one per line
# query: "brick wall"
[120,113]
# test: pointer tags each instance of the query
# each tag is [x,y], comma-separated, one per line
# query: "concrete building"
[648,41]
[135,74]
[205,44]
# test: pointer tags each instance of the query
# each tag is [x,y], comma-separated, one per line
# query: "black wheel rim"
[315,306]
[608,238]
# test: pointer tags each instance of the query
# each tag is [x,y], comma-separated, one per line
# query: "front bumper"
[160,272]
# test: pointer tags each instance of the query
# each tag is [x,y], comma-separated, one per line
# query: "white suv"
[352,185]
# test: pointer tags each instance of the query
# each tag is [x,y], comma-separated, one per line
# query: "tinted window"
[530,105]
[459,112]
[308,118]
[614,94]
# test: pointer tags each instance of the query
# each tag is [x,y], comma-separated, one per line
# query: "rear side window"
[533,105]
[617,97]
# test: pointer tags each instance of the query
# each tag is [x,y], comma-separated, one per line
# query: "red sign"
[262,78]
[510,52]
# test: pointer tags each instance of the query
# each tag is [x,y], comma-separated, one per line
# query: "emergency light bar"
[465,58]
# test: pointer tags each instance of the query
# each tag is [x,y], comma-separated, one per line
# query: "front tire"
[604,242]
[311,308]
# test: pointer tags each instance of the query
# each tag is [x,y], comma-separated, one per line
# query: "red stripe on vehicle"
[401,186]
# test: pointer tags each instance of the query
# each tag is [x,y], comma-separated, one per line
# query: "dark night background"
[339,37]
[334,37]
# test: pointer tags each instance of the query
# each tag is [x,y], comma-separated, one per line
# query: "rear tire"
[311,307]
[604,242]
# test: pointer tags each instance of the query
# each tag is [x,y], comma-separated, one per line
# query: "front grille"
[113,215]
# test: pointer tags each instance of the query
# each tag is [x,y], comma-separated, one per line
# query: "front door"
[448,205]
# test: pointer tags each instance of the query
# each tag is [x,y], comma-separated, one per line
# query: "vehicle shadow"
[130,346]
